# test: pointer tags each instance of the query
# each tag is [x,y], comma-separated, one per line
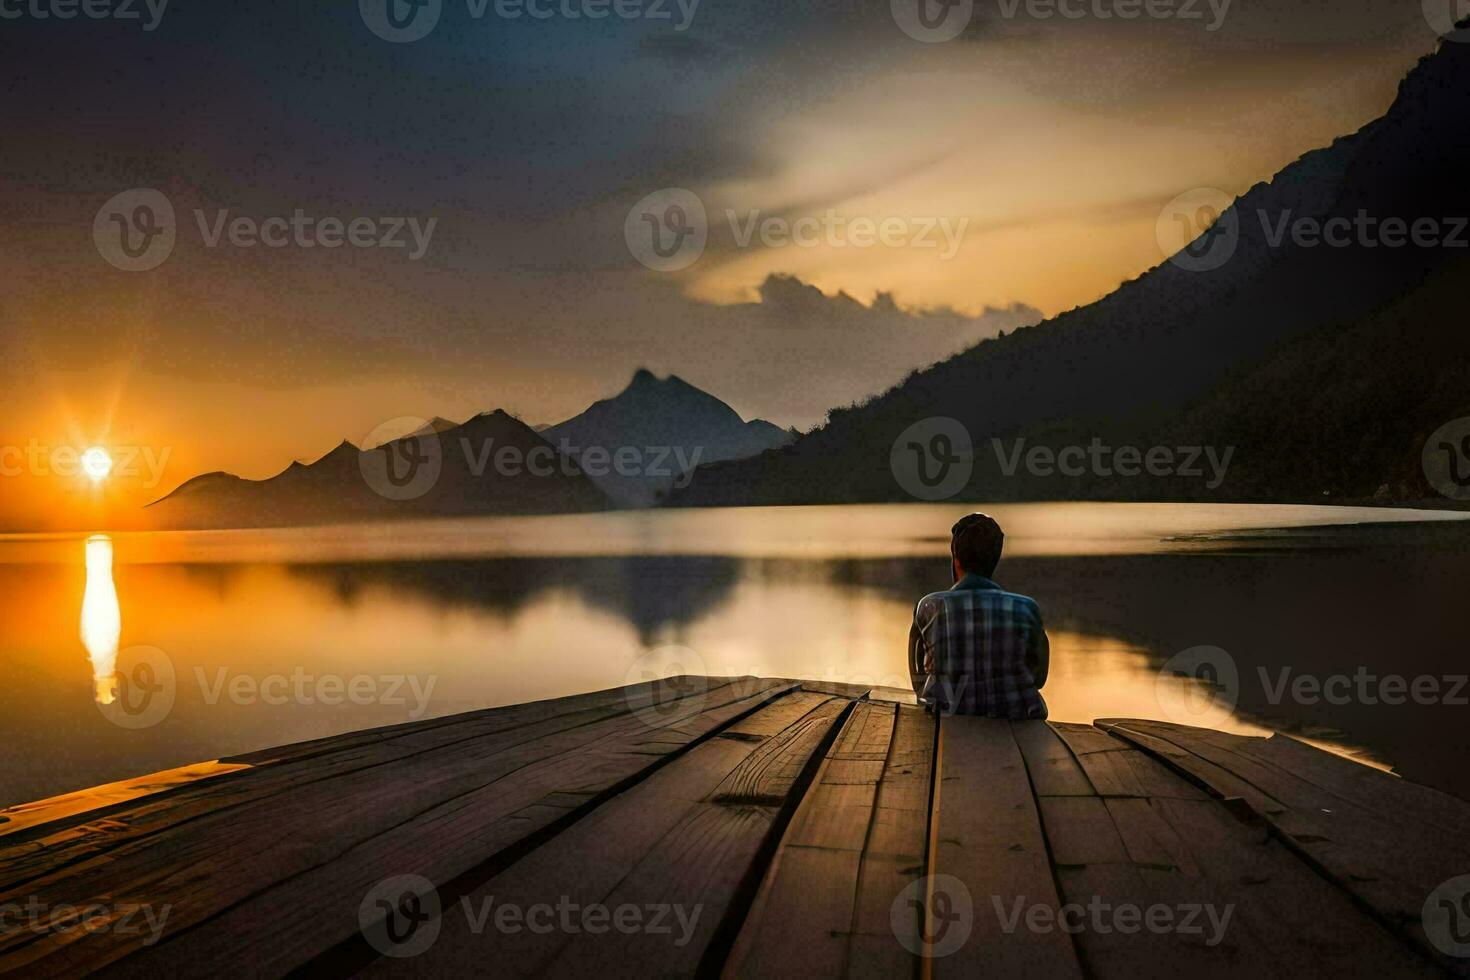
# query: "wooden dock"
[745,827]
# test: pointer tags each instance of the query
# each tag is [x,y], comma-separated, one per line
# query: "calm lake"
[131,654]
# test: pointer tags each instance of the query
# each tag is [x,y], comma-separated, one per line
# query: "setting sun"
[96,464]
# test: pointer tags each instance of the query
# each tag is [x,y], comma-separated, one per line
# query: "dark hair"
[976,543]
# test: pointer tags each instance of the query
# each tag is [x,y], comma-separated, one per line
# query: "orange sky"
[1056,153]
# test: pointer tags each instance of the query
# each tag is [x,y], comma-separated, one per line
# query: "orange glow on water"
[101,618]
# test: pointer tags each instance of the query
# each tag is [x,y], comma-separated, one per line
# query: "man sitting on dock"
[977,649]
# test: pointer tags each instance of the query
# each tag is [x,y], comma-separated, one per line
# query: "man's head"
[975,544]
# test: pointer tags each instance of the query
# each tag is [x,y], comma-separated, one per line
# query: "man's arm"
[1038,657]
[918,673]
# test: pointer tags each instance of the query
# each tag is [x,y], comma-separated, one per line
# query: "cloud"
[795,352]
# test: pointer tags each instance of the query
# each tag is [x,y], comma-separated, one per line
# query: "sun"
[96,464]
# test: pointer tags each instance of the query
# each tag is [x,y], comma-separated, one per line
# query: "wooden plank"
[1382,861]
[671,841]
[1052,767]
[987,833]
[1221,782]
[893,695]
[1134,894]
[895,855]
[802,917]
[1119,868]
[1116,768]
[53,810]
[238,871]
[1384,793]
[838,688]
[657,691]
[712,862]
[121,809]
[67,843]
[857,842]
[1309,926]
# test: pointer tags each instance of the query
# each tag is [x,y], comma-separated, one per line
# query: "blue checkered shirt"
[979,650]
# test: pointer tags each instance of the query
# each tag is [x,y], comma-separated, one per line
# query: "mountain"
[491,464]
[662,428]
[1325,367]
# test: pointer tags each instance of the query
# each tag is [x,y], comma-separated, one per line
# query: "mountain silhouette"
[1324,366]
[491,464]
[664,427]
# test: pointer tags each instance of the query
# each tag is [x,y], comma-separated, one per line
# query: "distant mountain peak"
[645,380]
[655,415]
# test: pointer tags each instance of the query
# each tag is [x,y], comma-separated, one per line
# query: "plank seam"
[29,835]
[852,922]
[742,898]
[1082,964]
[110,844]
[1295,847]
[924,969]
[354,954]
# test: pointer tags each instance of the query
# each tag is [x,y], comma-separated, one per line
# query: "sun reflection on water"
[101,618]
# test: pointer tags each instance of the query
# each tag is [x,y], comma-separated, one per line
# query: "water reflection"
[831,603]
[101,618]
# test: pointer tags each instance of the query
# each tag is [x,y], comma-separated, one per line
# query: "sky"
[872,202]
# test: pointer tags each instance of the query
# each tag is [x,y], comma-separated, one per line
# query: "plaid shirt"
[979,650]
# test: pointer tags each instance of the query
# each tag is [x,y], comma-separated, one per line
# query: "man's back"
[976,649]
